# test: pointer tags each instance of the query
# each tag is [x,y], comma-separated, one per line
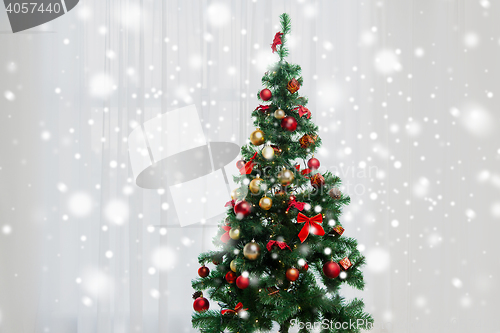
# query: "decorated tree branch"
[282,254]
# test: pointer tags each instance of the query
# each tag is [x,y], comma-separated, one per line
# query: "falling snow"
[79,204]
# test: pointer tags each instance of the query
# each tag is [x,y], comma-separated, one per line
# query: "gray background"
[405,93]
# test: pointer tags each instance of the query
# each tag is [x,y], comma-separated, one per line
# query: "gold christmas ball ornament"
[266,203]
[235,233]
[237,194]
[251,251]
[232,265]
[268,152]
[286,177]
[279,114]
[256,185]
[257,137]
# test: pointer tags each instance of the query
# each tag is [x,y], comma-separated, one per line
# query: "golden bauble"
[268,152]
[257,137]
[232,265]
[286,177]
[239,193]
[256,185]
[236,194]
[265,203]
[251,251]
[235,233]
[279,114]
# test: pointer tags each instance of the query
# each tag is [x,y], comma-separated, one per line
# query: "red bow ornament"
[294,203]
[312,225]
[281,245]
[248,167]
[276,41]
[303,172]
[303,111]
[225,237]
[229,203]
[263,108]
[238,308]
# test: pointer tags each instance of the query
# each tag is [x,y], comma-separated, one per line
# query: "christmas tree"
[282,257]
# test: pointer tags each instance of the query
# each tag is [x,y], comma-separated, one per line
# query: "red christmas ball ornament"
[313,164]
[303,265]
[203,271]
[265,94]
[230,277]
[201,304]
[240,164]
[289,123]
[331,269]
[217,259]
[292,274]
[242,209]
[242,282]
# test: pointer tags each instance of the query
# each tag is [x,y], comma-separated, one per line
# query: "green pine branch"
[286,26]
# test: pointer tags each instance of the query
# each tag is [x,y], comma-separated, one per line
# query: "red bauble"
[242,209]
[203,271]
[313,164]
[331,269]
[230,277]
[292,274]
[304,267]
[242,282]
[201,304]
[265,94]
[240,164]
[289,123]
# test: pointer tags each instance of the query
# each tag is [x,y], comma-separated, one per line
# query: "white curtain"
[404,93]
